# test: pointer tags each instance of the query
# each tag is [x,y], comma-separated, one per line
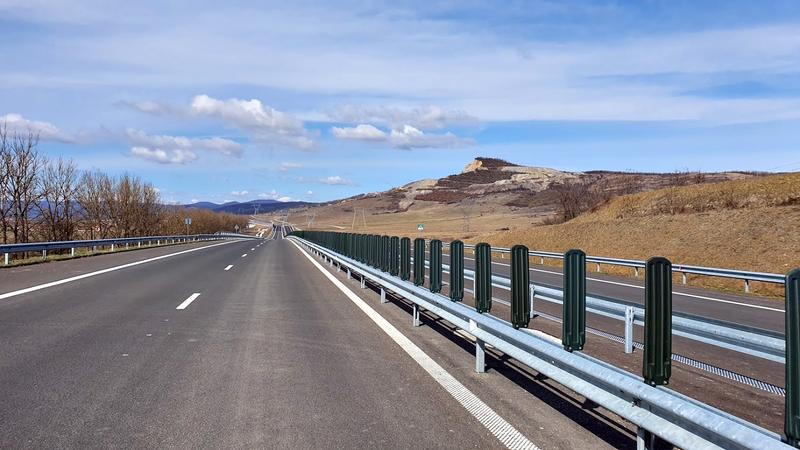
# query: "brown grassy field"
[751,224]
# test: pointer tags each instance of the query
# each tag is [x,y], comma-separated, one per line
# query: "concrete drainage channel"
[659,412]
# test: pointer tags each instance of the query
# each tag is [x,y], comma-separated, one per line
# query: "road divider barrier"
[520,281]
[792,416]
[746,276]
[419,261]
[659,412]
[483,278]
[8,250]
[435,266]
[573,335]
[456,271]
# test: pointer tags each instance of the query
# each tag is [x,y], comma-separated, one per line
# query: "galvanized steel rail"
[8,249]
[684,270]
[656,410]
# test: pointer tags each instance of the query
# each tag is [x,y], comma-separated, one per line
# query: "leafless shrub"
[577,197]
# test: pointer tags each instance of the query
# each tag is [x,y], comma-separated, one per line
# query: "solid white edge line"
[100,272]
[188,301]
[229,267]
[499,427]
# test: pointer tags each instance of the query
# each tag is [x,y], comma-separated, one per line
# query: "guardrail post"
[456,271]
[368,250]
[657,361]
[629,316]
[376,251]
[792,331]
[520,283]
[483,277]
[405,259]
[436,266]
[573,336]
[394,253]
[112,247]
[5,259]
[44,254]
[480,349]
[419,261]
[385,253]
[72,251]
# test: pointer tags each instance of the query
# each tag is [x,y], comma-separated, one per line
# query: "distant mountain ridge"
[257,206]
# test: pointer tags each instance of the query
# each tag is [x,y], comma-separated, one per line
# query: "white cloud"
[409,137]
[405,137]
[45,130]
[336,181]
[253,117]
[160,156]
[362,132]
[216,144]
[239,193]
[274,195]
[287,166]
[150,107]
[426,118]
[309,193]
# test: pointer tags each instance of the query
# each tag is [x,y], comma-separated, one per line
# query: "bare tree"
[23,182]
[90,196]
[5,185]
[57,208]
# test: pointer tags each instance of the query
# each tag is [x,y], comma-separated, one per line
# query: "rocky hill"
[490,195]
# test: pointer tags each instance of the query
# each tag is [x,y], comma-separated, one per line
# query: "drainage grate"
[719,371]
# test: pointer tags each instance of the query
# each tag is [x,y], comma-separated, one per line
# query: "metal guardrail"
[684,270]
[739,338]
[656,410]
[8,249]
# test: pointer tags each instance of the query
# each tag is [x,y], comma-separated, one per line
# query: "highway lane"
[752,311]
[18,277]
[268,355]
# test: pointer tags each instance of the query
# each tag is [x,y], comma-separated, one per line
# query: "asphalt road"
[244,344]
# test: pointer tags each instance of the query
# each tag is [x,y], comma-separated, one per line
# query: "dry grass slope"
[749,224]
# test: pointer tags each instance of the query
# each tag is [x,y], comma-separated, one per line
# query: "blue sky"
[322,100]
